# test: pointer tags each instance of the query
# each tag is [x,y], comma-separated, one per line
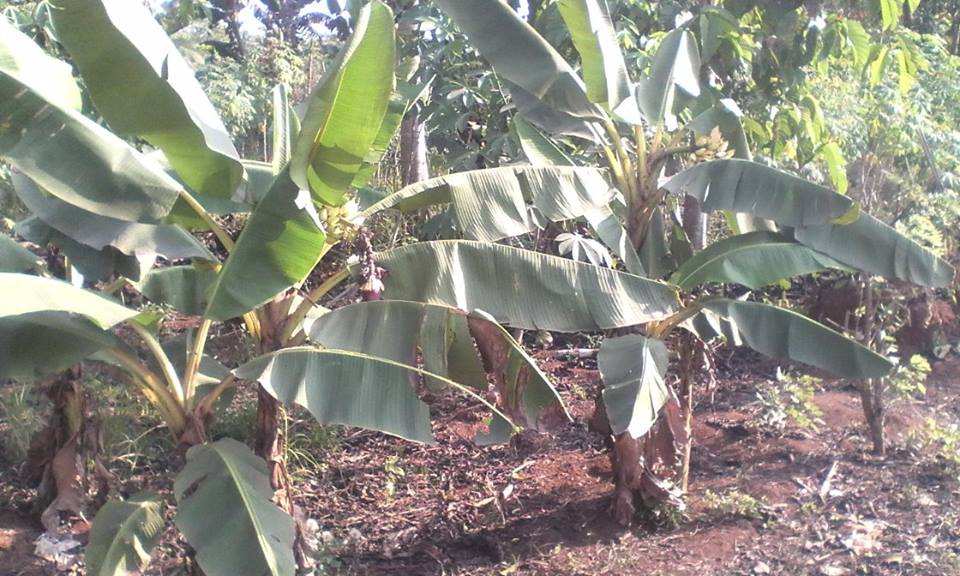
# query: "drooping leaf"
[675,65]
[14,257]
[23,294]
[872,246]
[278,247]
[633,369]
[782,333]
[143,87]
[752,188]
[551,120]
[39,343]
[604,70]
[524,391]
[122,535]
[544,87]
[346,109]
[23,58]
[98,232]
[341,387]
[95,265]
[395,330]
[73,157]
[446,338]
[491,204]
[185,288]
[521,288]
[754,260]
[225,512]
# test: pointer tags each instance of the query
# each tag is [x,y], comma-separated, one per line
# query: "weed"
[734,503]
[394,472]
[20,419]
[239,421]
[305,439]
[578,391]
[942,442]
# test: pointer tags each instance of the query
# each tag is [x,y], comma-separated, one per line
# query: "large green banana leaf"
[870,245]
[448,340]
[143,87]
[676,64]
[396,330]
[341,387]
[401,101]
[544,87]
[278,247]
[39,343]
[521,288]
[23,294]
[98,231]
[492,204]
[633,369]
[286,128]
[184,288]
[752,188]
[23,58]
[77,160]
[347,108]
[14,257]
[604,70]
[95,265]
[123,533]
[782,333]
[753,260]
[225,512]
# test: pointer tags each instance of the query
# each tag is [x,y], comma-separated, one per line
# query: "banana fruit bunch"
[340,222]
[711,147]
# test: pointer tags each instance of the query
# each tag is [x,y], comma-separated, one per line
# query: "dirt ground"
[801,502]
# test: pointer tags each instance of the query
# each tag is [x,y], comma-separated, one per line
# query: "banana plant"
[112,208]
[601,148]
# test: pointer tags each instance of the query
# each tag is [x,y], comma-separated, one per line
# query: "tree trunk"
[413,149]
[874,411]
[955,34]
[694,222]
[269,443]
[59,454]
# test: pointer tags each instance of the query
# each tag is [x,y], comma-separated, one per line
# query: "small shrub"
[910,378]
[789,400]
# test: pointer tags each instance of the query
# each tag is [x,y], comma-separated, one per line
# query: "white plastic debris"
[63,551]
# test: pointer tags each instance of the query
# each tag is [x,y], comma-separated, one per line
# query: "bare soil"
[801,502]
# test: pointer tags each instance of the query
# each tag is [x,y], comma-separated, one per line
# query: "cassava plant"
[111,208]
[779,226]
